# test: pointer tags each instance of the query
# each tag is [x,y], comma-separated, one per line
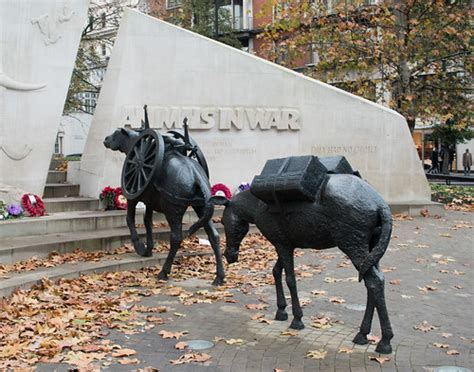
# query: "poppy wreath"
[220,189]
[120,201]
[33,209]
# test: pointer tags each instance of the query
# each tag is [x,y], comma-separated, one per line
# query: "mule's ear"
[124,131]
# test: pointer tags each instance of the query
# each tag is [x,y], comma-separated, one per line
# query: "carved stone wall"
[38,46]
[242,110]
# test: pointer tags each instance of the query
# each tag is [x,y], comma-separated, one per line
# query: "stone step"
[56,177]
[57,190]
[128,261]
[23,248]
[70,204]
[68,222]
[55,162]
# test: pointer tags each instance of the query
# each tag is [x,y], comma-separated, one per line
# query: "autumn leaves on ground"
[67,321]
[71,321]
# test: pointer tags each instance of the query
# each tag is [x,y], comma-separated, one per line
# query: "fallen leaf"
[123,353]
[181,345]
[316,354]
[289,333]
[445,235]
[427,288]
[441,346]
[452,352]
[319,292]
[176,335]
[126,361]
[337,300]
[346,350]
[458,286]
[179,315]
[257,316]
[256,306]
[190,358]
[155,319]
[380,360]
[395,281]
[446,335]
[264,320]
[373,339]
[424,326]
[235,341]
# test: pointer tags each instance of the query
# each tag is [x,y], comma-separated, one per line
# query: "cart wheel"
[196,155]
[142,164]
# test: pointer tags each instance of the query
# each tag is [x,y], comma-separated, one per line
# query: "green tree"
[418,51]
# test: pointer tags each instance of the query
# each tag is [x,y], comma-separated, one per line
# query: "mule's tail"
[208,210]
[380,247]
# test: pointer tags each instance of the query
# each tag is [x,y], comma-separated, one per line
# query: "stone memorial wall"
[242,110]
[38,46]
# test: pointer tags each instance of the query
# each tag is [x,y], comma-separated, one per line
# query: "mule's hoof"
[140,249]
[281,315]
[360,339]
[162,276]
[148,253]
[296,324]
[218,281]
[383,348]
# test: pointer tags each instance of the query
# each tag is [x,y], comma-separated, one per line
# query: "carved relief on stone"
[48,24]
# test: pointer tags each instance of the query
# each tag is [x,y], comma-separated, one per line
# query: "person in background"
[467,162]
[434,161]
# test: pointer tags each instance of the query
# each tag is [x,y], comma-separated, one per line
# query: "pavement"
[429,278]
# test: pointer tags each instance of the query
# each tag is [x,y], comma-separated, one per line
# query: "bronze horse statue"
[158,172]
[347,212]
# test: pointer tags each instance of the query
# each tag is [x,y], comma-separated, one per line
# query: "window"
[103,21]
[104,49]
[173,4]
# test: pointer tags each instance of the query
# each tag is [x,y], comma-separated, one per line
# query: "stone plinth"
[38,46]
[242,110]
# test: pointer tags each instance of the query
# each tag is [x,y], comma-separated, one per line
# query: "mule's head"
[235,228]
[120,140]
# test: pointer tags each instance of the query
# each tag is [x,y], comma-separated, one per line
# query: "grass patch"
[452,195]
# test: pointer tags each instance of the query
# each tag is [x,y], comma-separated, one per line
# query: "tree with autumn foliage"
[200,17]
[411,55]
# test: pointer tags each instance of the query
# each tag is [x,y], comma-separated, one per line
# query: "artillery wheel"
[143,163]
[198,155]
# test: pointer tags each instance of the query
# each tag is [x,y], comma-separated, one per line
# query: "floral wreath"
[113,198]
[120,201]
[35,209]
[243,186]
[220,189]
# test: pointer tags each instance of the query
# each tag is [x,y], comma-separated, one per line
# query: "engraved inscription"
[342,150]
[222,118]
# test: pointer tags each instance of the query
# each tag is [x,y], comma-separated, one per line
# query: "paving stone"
[266,349]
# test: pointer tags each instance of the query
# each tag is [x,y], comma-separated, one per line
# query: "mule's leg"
[285,254]
[365,327]
[214,239]
[374,280]
[137,244]
[281,313]
[213,236]
[176,236]
[148,222]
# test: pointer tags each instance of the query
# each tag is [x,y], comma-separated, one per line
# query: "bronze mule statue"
[346,212]
[158,172]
